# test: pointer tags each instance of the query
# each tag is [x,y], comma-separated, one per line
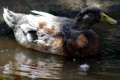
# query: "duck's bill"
[107,19]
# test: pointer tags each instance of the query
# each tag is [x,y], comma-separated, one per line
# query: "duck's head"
[89,16]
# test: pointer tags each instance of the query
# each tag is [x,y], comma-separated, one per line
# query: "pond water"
[19,63]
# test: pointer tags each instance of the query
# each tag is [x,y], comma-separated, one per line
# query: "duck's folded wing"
[30,31]
[29,27]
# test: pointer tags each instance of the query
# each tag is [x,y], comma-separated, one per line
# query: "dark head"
[89,16]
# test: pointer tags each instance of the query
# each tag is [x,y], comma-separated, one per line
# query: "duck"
[58,35]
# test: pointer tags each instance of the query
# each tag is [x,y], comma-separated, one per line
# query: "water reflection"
[33,64]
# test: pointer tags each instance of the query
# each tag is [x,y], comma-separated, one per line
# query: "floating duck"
[58,35]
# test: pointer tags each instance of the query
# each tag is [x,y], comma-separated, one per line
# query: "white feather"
[9,17]
[5,16]
[29,37]
[27,27]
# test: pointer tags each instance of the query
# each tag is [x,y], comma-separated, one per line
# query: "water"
[19,63]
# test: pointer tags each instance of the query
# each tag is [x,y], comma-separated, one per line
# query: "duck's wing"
[44,28]
[29,29]
[37,27]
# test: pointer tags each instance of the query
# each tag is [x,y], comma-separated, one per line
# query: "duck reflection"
[34,64]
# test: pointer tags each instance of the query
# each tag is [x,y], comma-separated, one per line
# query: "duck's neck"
[83,22]
[81,26]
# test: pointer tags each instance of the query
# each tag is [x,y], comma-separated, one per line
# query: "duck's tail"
[10,17]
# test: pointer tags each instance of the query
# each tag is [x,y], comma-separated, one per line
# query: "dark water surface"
[19,63]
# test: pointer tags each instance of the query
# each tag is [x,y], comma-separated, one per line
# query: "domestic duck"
[58,35]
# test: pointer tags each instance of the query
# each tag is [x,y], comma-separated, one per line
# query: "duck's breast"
[83,43]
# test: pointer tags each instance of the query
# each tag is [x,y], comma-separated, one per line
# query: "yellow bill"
[107,19]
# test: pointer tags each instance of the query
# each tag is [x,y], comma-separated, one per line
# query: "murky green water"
[19,63]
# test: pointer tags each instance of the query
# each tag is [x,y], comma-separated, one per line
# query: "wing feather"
[42,13]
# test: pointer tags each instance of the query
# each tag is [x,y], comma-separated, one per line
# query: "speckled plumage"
[52,34]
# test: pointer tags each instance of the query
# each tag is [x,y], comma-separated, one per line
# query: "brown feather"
[41,24]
